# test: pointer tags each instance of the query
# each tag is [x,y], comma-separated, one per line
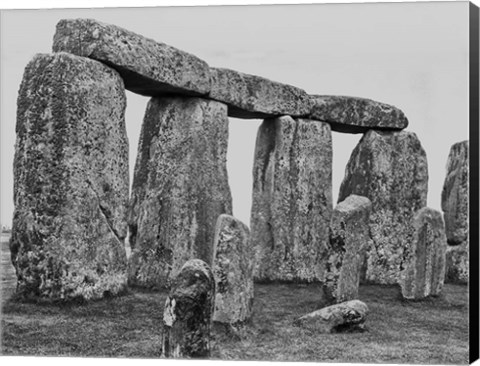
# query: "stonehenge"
[73,209]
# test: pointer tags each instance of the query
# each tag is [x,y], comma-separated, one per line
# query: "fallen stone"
[389,168]
[180,187]
[343,317]
[71,180]
[457,264]
[356,115]
[188,312]
[251,96]
[292,199]
[455,195]
[349,239]
[148,67]
[233,271]
[424,268]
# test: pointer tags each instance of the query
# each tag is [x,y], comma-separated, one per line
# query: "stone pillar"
[292,199]
[233,271]
[349,240]
[455,207]
[180,187]
[390,169]
[424,269]
[188,312]
[71,180]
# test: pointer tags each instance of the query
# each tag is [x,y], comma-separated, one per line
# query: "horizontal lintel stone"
[250,96]
[356,115]
[148,67]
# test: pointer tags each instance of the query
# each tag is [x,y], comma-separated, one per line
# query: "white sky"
[411,55]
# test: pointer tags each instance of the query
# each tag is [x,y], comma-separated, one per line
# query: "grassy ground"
[431,331]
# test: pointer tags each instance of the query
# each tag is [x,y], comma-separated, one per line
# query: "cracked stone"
[71,180]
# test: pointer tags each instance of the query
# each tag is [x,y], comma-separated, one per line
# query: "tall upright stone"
[233,271]
[187,315]
[424,268]
[389,168]
[349,240]
[292,199]
[455,207]
[71,180]
[180,187]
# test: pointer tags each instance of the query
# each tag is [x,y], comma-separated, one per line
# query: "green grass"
[431,331]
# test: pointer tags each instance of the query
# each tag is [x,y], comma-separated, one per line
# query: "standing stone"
[455,197]
[349,239]
[180,187]
[251,96]
[425,267]
[389,168]
[71,180]
[455,207]
[346,316]
[233,271]
[457,264]
[148,67]
[356,115]
[292,199]
[188,312]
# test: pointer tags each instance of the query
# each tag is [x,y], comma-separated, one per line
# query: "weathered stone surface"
[424,269]
[233,271]
[389,168]
[455,197]
[349,239]
[188,312]
[457,264]
[251,96]
[148,67]
[71,180]
[292,199]
[180,187]
[356,115]
[346,316]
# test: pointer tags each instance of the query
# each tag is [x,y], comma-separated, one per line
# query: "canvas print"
[276,183]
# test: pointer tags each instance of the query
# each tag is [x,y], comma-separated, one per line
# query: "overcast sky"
[411,55]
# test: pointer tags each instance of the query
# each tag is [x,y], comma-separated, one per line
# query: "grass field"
[432,331]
